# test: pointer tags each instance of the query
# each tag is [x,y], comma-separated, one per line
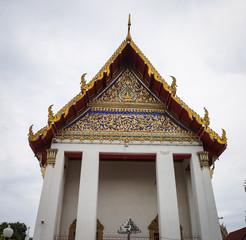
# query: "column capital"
[51,157]
[203,160]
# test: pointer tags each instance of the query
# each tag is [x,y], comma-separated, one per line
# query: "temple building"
[127,147]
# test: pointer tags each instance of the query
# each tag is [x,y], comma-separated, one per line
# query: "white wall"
[137,182]
[71,193]
[126,189]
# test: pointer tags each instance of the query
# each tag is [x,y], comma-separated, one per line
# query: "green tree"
[19,230]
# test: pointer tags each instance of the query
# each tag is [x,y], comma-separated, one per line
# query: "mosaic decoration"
[131,113]
[204,162]
[126,125]
[51,157]
[127,89]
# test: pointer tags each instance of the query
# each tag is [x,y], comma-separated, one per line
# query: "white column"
[191,205]
[200,199]
[43,203]
[169,226]
[214,221]
[88,191]
[46,222]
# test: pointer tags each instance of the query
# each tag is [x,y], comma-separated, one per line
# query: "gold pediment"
[126,125]
[126,111]
[127,89]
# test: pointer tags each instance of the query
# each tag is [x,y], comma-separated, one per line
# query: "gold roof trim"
[106,69]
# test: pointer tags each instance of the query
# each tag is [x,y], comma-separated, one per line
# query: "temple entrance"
[127,188]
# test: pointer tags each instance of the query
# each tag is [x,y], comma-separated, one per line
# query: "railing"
[148,238]
[61,237]
[192,238]
[124,237]
[109,237]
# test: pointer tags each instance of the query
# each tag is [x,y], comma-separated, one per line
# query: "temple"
[127,147]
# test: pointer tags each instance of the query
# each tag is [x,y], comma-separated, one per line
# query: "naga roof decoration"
[155,93]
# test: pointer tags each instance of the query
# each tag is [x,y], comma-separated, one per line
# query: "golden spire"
[128,37]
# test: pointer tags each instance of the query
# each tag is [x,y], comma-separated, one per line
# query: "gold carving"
[83,82]
[42,168]
[127,89]
[203,159]
[153,229]
[51,157]
[31,134]
[126,126]
[214,158]
[224,139]
[72,230]
[205,119]
[100,229]
[51,114]
[127,95]
[174,85]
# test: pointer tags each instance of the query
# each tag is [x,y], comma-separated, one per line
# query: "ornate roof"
[96,92]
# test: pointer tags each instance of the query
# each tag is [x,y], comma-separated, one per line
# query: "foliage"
[19,230]
[2,237]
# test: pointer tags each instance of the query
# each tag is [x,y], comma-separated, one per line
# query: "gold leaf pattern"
[127,84]
[126,126]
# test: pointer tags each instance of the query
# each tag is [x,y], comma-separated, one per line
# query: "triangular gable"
[127,89]
[109,118]
[129,53]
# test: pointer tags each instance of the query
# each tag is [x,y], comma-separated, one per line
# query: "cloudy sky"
[45,46]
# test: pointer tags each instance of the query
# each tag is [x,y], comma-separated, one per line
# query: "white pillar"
[169,226]
[46,222]
[88,191]
[191,205]
[214,220]
[43,203]
[200,199]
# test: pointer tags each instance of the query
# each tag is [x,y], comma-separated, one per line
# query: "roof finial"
[128,37]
